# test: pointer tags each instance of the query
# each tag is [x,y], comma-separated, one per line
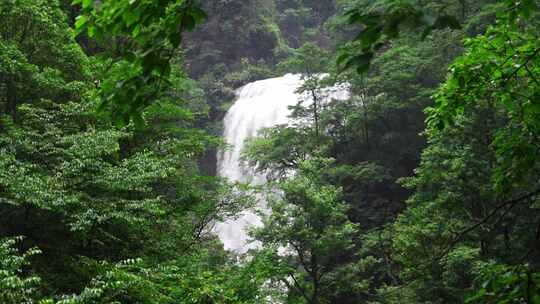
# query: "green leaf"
[80,22]
[87,3]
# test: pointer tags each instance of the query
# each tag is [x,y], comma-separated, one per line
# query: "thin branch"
[532,75]
[527,60]
[461,234]
[494,212]
[299,288]
[301,258]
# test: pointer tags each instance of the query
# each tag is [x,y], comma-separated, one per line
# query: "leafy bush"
[15,286]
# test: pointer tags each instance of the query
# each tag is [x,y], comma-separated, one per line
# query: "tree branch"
[299,288]
[510,203]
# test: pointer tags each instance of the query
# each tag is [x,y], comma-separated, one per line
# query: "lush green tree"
[382,21]
[194,279]
[146,36]
[306,234]
[38,57]
[278,150]
[93,197]
[122,213]
[15,286]
[374,138]
[508,78]
[475,202]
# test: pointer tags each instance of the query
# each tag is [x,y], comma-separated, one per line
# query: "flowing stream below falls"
[259,104]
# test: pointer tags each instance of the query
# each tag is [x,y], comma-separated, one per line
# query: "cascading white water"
[259,104]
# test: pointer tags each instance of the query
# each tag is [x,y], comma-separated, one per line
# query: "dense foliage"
[421,187]
[118,214]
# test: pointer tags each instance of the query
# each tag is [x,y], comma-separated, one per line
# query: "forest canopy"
[421,186]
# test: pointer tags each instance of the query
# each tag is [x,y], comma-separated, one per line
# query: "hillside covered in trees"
[422,186]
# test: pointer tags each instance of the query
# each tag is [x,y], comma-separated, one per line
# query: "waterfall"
[259,104]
